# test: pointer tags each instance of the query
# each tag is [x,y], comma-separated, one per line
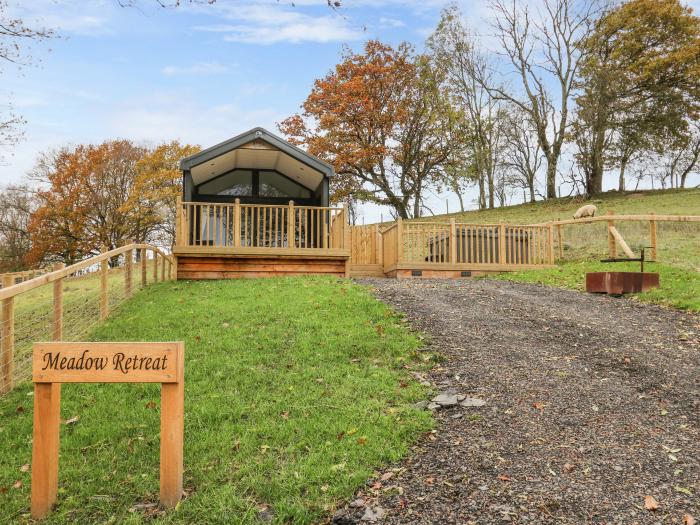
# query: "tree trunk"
[621,182]
[551,179]
[531,187]
[482,194]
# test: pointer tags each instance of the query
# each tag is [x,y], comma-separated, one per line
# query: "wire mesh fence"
[675,242]
[66,303]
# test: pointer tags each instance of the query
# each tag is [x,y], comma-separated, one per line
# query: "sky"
[200,74]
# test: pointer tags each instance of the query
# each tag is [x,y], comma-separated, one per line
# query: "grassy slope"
[295,390]
[672,202]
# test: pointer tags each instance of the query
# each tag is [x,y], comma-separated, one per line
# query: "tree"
[157,186]
[15,37]
[522,155]
[640,80]
[680,159]
[384,122]
[469,78]
[84,205]
[17,203]
[544,56]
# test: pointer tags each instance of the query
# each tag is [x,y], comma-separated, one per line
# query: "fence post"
[291,227]
[237,223]
[346,227]
[502,244]
[58,304]
[550,243]
[104,296]
[155,266]
[652,237]
[162,268]
[378,252]
[128,256]
[7,338]
[560,237]
[399,240]
[144,272]
[612,247]
[178,221]
[453,241]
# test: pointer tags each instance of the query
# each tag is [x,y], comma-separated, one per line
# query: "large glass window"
[273,184]
[238,183]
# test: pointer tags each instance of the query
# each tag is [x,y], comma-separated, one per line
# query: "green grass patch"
[670,202]
[296,390]
[679,287]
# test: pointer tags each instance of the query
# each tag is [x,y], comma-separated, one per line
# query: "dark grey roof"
[253,134]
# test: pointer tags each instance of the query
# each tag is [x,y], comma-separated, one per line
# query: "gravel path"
[592,405]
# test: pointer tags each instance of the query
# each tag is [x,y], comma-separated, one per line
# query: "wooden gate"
[365,251]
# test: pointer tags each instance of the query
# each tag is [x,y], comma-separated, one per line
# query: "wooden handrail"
[12,291]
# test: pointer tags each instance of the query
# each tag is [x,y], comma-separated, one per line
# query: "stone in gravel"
[446,400]
[373,514]
[433,406]
[472,402]
[359,502]
[421,405]
[618,468]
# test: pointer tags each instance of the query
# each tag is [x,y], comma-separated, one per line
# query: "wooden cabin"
[254,206]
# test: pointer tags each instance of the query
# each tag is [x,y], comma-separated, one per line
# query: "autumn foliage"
[104,195]
[381,118]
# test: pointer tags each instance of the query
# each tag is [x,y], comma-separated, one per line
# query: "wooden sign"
[56,363]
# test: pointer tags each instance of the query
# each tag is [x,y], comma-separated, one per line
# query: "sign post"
[56,363]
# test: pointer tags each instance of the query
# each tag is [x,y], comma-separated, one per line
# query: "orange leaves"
[650,503]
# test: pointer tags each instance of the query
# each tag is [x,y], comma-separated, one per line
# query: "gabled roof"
[256,134]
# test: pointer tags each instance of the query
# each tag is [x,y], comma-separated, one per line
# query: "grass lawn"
[680,287]
[296,390]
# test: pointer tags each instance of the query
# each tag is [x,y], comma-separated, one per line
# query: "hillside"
[675,202]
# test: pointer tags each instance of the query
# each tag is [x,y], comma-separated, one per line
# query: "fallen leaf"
[429,480]
[362,440]
[18,484]
[72,420]
[264,448]
[376,485]
[688,520]
[568,467]
[352,431]
[650,503]
[285,415]
[341,435]
[386,476]
[503,477]
[24,468]
[151,404]
[538,406]
[324,488]
[20,409]
[3,490]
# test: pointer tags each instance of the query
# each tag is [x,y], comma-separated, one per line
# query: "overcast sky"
[199,74]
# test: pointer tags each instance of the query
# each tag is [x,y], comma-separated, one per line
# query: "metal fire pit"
[619,283]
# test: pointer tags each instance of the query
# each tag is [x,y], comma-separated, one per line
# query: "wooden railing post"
[178,222]
[104,296]
[612,248]
[453,241]
[7,338]
[346,227]
[652,237]
[502,244]
[155,266]
[128,271]
[237,223]
[550,243]
[144,270]
[560,239]
[162,268]
[399,240]
[58,305]
[291,227]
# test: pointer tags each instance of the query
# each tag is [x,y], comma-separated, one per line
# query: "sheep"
[585,211]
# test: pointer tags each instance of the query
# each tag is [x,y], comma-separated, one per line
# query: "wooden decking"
[220,241]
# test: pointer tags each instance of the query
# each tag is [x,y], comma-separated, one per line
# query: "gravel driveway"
[592,407]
